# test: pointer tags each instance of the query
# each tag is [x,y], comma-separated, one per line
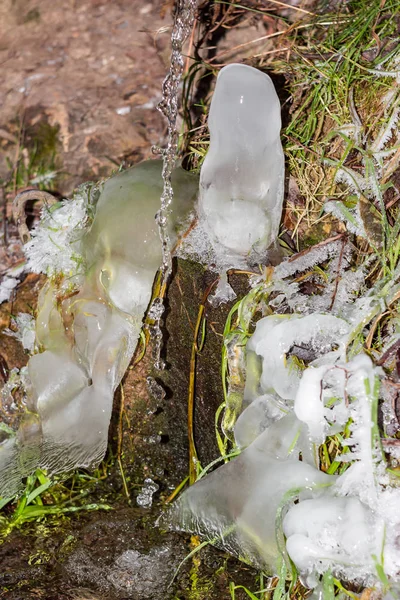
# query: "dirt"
[93,71]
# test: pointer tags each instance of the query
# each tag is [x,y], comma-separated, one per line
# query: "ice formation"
[279,337]
[335,532]
[236,506]
[242,177]
[7,286]
[25,330]
[87,339]
[241,180]
[343,524]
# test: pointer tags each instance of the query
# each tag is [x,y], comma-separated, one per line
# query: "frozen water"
[242,177]
[145,498]
[86,343]
[307,259]
[7,285]
[259,415]
[320,401]
[277,335]
[241,180]
[236,506]
[342,524]
[54,247]
[25,330]
[332,533]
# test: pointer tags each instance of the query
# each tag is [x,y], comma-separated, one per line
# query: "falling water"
[183,23]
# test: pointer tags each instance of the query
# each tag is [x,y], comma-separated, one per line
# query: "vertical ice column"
[242,178]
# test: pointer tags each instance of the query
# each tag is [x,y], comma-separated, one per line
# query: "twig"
[389,352]
[19,215]
[193,458]
[368,341]
[120,436]
[283,4]
[338,274]
[4,208]
[319,245]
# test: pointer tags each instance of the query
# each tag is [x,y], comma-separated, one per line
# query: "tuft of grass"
[36,160]
[45,497]
[340,108]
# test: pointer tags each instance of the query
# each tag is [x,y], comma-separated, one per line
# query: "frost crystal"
[54,248]
[25,330]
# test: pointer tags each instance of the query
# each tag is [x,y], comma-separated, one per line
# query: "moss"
[43,144]
[32,15]
[314,235]
[39,163]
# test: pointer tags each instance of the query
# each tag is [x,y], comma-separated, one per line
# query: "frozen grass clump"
[307,407]
[344,524]
[279,337]
[55,245]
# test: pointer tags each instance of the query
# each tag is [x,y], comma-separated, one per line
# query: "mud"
[87,73]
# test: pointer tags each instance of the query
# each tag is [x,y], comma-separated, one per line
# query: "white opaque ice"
[329,532]
[241,180]
[309,406]
[276,335]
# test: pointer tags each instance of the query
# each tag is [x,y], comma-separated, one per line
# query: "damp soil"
[109,557]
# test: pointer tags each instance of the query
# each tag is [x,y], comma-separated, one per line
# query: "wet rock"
[124,556]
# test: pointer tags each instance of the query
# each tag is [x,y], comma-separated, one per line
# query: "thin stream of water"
[183,23]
